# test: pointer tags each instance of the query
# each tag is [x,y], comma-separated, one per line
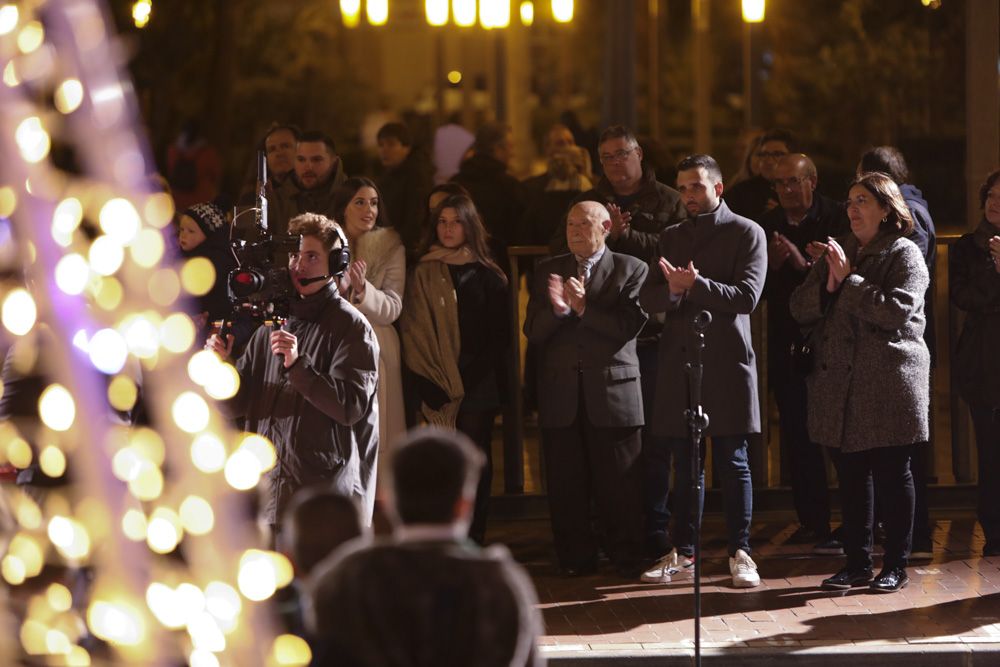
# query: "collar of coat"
[878,246]
[647,186]
[310,308]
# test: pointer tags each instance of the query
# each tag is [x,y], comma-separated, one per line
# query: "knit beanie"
[209,218]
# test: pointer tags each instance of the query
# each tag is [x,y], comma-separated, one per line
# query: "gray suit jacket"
[730,253]
[596,351]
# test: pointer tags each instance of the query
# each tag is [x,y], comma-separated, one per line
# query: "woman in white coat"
[374,284]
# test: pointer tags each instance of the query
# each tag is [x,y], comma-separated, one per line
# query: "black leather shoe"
[846,579]
[890,580]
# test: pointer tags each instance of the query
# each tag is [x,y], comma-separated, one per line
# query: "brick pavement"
[949,614]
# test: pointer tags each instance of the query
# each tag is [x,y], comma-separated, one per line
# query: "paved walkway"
[949,614]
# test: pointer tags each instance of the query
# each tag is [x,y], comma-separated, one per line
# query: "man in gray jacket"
[310,385]
[714,261]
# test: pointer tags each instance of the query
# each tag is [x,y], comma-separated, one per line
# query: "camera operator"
[310,385]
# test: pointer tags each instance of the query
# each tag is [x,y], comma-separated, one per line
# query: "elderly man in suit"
[714,261]
[584,316]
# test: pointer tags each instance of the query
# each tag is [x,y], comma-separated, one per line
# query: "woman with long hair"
[863,302]
[455,331]
[374,284]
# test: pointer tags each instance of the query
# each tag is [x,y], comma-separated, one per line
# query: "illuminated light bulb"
[527,13]
[164,287]
[197,516]
[208,453]
[159,209]
[141,11]
[223,383]
[377,12]
[116,622]
[8,201]
[190,412]
[108,351]
[202,658]
[148,444]
[72,274]
[257,579]
[177,333]
[120,220]
[18,312]
[106,255]
[162,601]
[28,514]
[32,637]
[122,393]
[198,276]
[59,597]
[201,365]
[436,12]
[223,602]
[148,482]
[205,633]
[31,37]
[126,464]
[134,525]
[68,215]
[10,78]
[290,650]
[350,13]
[57,643]
[69,96]
[69,536]
[455,77]
[32,139]
[52,461]
[464,12]
[562,11]
[163,533]
[109,293]
[57,408]
[494,13]
[19,453]
[147,249]
[243,470]
[12,570]
[27,549]
[753,11]
[142,338]
[8,19]
[261,448]
[77,657]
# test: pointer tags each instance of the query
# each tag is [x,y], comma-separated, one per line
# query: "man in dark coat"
[319,171]
[714,261]
[427,595]
[309,386]
[755,196]
[405,184]
[641,207]
[804,217]
[584,316]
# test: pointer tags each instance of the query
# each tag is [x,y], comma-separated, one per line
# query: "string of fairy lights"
[98,307]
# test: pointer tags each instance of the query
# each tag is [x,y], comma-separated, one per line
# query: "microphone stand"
[697,421]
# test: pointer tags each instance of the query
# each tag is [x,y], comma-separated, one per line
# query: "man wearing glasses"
[755,196]
[803,217]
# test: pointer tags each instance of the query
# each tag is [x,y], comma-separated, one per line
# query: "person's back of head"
[317,522]
[434,476]
[886,159]
[493,140]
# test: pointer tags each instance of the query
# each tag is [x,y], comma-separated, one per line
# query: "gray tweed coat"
[870,384]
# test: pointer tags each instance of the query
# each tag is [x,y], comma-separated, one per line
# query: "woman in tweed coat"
[869,386]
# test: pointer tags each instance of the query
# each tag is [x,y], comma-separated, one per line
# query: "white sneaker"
[670,566]
[744,570]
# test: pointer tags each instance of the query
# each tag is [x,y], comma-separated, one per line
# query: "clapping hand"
[994,244]
[839,265]
[679,280]
[557,295]
[575,295]
[356,273]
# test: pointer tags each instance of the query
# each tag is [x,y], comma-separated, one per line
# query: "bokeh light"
[177,333]
[120,220]
[18,312]
[208,453]
[190,412]
[291,650]
[32,139]
[72,274]
[243,470]
[69,96]
[108,351]
[116,622]
[106,255]
[196,515]
[198,276]
[57,408]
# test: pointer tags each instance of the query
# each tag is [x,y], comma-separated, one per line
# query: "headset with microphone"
[338,261]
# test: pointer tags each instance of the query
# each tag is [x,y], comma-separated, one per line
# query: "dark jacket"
[750,198]
[730,254]
[497,195]
[826,218]
[322,413]
[404,196]
[870,385]
[595,351]
[925,236]
[291,199]
[974,285]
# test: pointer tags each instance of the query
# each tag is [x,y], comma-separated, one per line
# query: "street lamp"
[562,10]
[527,13]
[753,11]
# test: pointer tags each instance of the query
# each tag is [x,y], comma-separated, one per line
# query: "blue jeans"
[729,456]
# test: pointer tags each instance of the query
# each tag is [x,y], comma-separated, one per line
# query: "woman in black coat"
[974,283]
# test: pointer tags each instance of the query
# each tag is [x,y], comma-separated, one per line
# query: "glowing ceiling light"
[753,11]
[464,12]
[527,13]
[350,12]
[562,11]
[494,13]
[377,12]
[436,12]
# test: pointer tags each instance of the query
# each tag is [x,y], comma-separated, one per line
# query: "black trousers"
[986,423]
[810,489]
[882,472]
[478,425]
[585,463]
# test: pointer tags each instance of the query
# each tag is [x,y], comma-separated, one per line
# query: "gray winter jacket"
[869,386]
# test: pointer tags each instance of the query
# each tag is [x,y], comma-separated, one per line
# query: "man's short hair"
[887,159]
[432,470]
[396,131]
[315,136]
[314,224]
[318,521]
[489,136]
[288,127]
[784,136]
[618,132]
[706,162]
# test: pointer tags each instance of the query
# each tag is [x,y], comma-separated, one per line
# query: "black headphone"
[339,257]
